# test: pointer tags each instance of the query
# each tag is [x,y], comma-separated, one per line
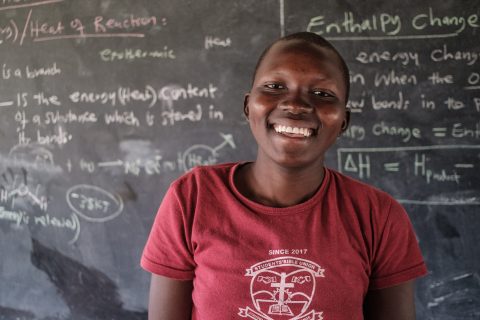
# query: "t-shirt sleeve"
[398,257]
[168,250]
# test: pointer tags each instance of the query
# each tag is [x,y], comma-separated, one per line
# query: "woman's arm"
[394,303]
[169,299]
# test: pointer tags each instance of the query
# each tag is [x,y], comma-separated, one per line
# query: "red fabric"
[314,260]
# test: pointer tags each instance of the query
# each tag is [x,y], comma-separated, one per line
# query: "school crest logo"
[283,288]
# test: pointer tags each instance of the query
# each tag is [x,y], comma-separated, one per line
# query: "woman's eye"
[274,86]
[322,93]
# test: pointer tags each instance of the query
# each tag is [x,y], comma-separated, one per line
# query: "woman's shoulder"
[358,190]
[205,175]
[374,207]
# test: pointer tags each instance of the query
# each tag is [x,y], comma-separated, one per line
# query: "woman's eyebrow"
[286,72]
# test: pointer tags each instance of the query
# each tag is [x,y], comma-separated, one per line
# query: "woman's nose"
[295,104]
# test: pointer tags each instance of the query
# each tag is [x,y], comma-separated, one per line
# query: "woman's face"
[296,106]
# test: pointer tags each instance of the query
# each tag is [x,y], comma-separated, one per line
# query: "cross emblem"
[282,285]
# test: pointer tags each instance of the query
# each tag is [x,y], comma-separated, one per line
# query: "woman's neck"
[276,186]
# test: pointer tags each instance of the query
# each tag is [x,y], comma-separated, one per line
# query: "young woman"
[284,237]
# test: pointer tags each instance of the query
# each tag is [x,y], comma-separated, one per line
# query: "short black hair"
[317,40]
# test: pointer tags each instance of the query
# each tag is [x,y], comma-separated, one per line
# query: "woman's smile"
[293,131]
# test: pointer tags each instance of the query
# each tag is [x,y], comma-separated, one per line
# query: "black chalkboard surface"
[104,103]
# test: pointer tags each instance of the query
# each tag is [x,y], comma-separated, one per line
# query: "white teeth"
[306,132]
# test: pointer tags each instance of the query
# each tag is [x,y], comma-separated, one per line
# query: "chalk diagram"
[201,154]
[93,203]
[17,181]
[32,156]
[16,187]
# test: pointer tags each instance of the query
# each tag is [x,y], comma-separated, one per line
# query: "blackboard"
[103,103]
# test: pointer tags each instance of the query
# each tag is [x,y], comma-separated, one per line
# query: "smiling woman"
[283,237]
[297,85]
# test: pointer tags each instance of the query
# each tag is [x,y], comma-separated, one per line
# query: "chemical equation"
[418,175]
[196,155]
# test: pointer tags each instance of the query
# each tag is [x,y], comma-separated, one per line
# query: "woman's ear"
[346,121]
[245,104]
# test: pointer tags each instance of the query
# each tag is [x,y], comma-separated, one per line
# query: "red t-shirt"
[314,260]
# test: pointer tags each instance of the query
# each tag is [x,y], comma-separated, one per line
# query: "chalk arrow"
[228,140]
[110,163]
